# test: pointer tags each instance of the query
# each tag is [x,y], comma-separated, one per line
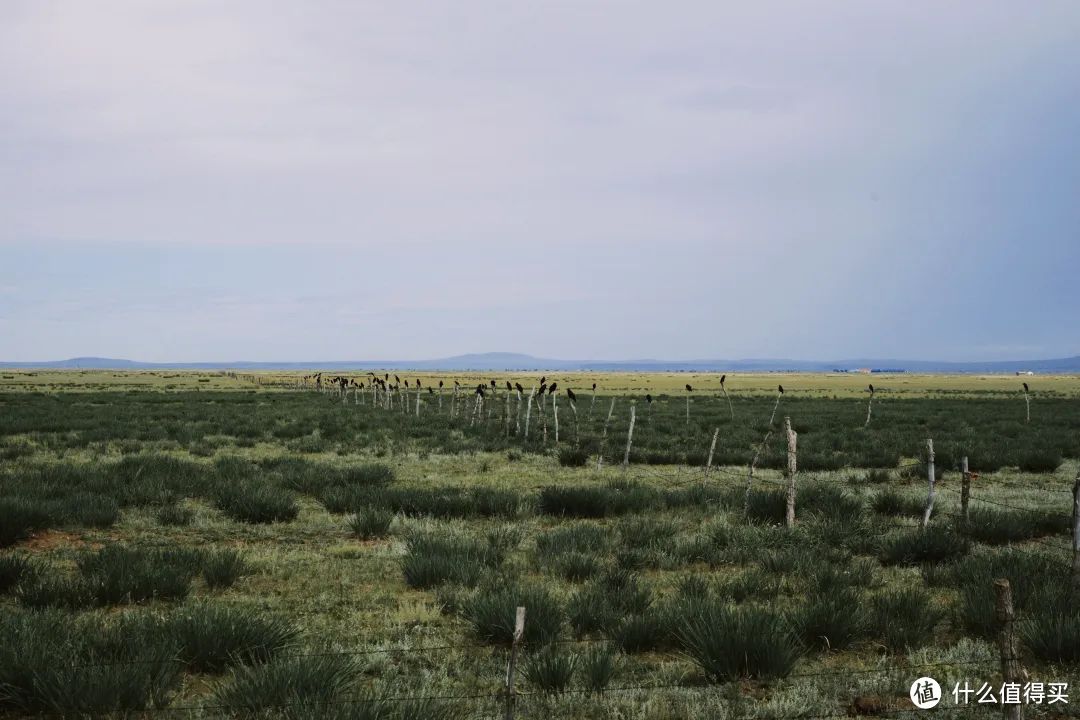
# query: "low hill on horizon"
[495,361]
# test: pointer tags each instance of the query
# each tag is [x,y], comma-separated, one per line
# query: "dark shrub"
[729,642]
[371,524]
[1050,628]
[1028,574]
[831,620]
[52,663]
[14,568]
[551,669]
[19,518]
[890,502]
[598,667]
[211,637]
[256,502]
[174,515]
[491,613]
[934,544]
[118,574]
[589,501]
[319,679]
[905,619]
[573,457]
[432,559]
[997,527]
[768,506]
[222,568]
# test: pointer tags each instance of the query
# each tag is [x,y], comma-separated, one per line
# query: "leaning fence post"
[965,487]
[519,630]
[1011,671]
[930,479]
[792,439]
[1076,536]
[603,438]
[712,449]
[629,435]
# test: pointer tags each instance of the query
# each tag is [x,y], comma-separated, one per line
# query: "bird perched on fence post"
[779,394]
[1027,402]
[723,387]
[688,391]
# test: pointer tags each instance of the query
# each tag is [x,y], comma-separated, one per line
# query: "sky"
[328,180]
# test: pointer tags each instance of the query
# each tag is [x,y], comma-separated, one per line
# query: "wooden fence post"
[930,479]
[792,439]
[712,449]
[1076,536]
[528,410]
[629,435]
[869,407]
[555,413]
[1011,671]
[519,630]
[965,487]
[603,438]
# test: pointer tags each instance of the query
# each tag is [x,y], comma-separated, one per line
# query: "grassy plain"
[854,602]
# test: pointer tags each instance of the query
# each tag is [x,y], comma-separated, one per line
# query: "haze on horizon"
[193,181]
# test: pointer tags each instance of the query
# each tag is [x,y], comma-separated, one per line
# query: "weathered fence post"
[775,406]
[792,439]
[931,494]
[1076,536]
[869,407]
[519,630]
[712,449]
[1011,671]
[731,411]
[629,435]
[603,437]
[517,420]
[965,487]
[555,412]
[528,410]
[1027,403]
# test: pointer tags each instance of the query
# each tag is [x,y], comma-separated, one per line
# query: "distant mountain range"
[516,361]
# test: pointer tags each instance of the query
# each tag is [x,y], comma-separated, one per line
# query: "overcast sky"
[206,180]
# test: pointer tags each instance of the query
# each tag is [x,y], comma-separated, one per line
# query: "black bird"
[551,390]
[509,387]
[780,388]
[397,379]
[457,384]
[871,388]
[1025,387]
[431,391]
[648,398]
[386,377]
[440,383]
[480,390]
[570,394]
[688,388]
[594,387]
[417,382]
[543,388]
[543,379]
[517,386]
[722,379]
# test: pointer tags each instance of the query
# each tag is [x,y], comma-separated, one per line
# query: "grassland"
[205,544]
